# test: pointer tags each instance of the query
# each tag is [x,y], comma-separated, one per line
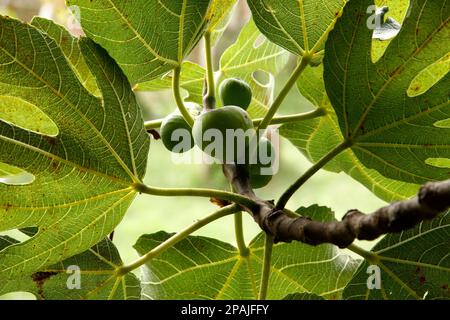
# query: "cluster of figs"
[239,143]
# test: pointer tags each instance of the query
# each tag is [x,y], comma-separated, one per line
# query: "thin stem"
[268,245]
[284,92]
[209,66]
[319,112]
[239,231]
[367,255]
[310,172]
[155,124]
[176,238]
[177,95]
[196,192]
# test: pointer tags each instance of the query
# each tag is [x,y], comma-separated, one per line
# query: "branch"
[432,199]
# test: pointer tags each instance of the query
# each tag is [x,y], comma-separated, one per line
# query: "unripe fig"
[176,134]
[224,133]
[235,92]
[260,171]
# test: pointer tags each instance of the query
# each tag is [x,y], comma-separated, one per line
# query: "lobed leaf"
[315,137]
[84,175]
[391,131]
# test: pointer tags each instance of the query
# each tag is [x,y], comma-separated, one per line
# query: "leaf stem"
[239,231]
[268,246]
[319,112]
[209,66]
[195,192]
[284,92]
[177,95]
[120,271]
[367,255]
[310,172]
[155,124]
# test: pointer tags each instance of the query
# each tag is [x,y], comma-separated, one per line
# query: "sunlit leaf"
[390,131]
[147,38]
[315,137]
[298,26]
[220,16]
[83,176]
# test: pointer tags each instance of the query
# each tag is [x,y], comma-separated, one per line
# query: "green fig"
[235,92]
[176,134]
[224,133]
[260,171]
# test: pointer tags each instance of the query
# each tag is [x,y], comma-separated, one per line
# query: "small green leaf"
[95,268]
[298,26]
[83,176]
[390,131]
[315,137]
[205,268]
[147,38]
[414,264]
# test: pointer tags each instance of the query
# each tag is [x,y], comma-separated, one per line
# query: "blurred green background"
[150,214]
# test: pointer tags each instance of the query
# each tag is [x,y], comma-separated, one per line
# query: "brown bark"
[432,199]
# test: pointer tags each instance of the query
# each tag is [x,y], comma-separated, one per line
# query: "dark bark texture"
[433,198]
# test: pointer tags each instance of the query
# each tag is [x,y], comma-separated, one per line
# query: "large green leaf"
[251,53]
[83,176]
[297,25]
[147,38]
[414,264]
[315,137]
[391,131]
[205,268]
[95,268]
